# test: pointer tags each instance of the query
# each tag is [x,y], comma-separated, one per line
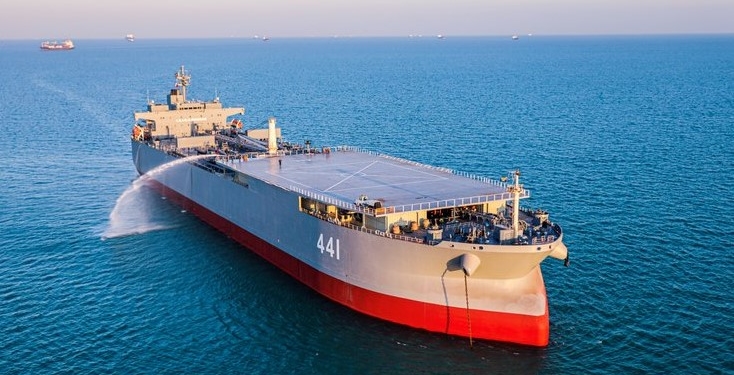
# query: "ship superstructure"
[414,244]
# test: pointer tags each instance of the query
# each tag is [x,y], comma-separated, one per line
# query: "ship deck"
[340,176]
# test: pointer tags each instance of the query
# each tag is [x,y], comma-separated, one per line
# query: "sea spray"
[133,211]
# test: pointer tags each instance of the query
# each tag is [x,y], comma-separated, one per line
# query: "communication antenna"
[183,79]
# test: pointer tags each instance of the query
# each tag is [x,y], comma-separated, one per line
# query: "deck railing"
[428,166]
[447,203]
[382,211]
[364,229]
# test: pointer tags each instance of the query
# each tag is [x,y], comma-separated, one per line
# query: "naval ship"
[418,245]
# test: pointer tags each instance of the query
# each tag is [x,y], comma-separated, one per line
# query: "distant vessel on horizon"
[515,37]
[130,37]
[56,46]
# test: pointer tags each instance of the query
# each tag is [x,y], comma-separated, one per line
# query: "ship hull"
[398,281]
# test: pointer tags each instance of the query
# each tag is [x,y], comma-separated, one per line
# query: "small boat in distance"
[56,46]
[130,37]
[515,37]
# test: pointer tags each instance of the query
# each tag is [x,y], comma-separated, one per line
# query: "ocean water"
[627,141]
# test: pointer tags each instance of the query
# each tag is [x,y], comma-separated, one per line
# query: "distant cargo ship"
[56,46]
[422,246]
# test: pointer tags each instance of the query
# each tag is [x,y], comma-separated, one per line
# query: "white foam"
[133,211]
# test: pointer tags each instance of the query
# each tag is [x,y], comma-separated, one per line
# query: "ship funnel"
[272,141]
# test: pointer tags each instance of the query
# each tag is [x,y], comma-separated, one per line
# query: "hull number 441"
[330,246]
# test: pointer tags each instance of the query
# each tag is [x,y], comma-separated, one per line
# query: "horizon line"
[429,36]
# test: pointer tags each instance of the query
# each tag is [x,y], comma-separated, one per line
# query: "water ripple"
[625,140]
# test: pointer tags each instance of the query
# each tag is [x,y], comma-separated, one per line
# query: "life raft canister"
[137,133]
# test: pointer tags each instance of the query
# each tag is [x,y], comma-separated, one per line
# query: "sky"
[99,19]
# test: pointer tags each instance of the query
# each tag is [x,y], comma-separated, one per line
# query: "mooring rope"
[468,318]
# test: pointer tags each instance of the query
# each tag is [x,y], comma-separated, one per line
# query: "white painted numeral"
[330,247]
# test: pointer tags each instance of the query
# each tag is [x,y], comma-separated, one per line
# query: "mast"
[516,189]
[182,81]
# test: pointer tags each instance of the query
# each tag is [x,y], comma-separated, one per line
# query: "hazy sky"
[100,19]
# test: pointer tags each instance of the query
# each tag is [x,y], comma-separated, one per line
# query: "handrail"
[382,211]
[447,203]
[441,169]
[366,230]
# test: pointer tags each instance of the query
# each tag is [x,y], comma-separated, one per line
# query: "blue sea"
[627,140]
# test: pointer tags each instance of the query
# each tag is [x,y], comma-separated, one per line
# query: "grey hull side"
[383,265]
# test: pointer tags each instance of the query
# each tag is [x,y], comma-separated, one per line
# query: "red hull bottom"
[488,325]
